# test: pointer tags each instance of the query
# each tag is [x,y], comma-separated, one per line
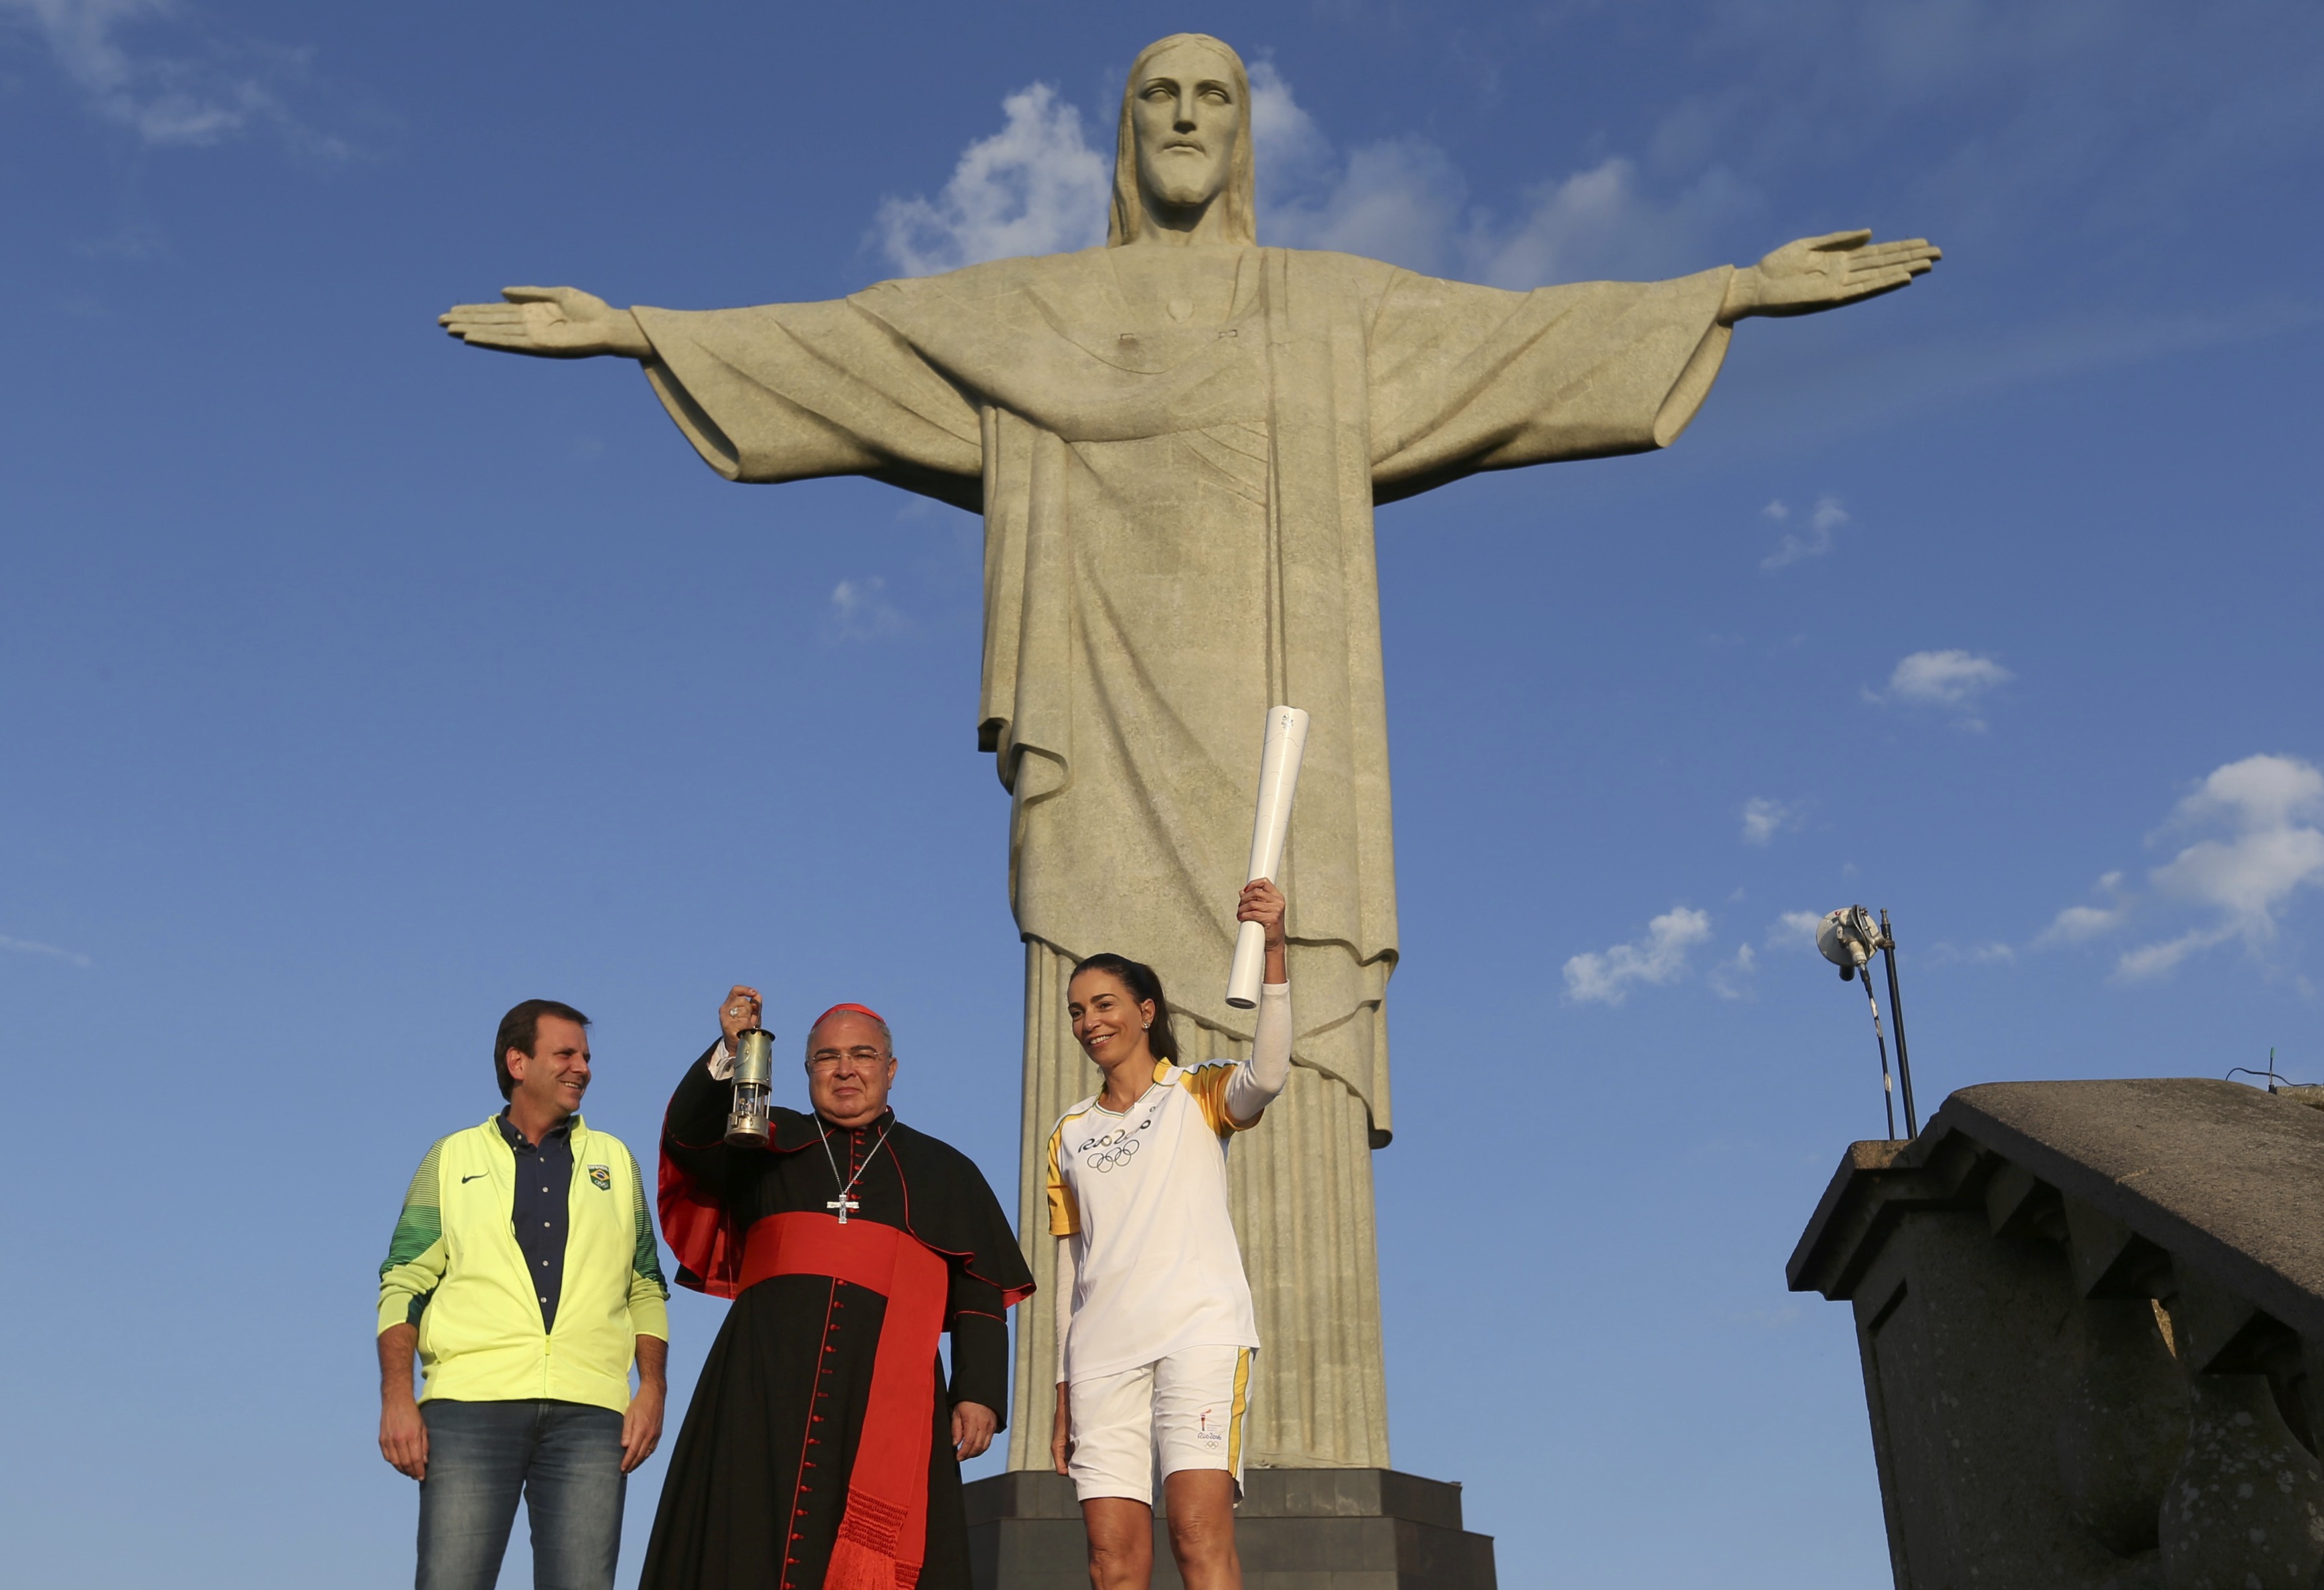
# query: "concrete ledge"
[2217,1173]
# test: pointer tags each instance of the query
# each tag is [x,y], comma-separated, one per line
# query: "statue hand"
[549,323]
[1818,273]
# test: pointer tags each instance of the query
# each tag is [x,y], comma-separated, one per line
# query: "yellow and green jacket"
[454,1270]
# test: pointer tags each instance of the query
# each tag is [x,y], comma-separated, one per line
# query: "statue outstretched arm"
[1818,273]
[549,323]
[767,392]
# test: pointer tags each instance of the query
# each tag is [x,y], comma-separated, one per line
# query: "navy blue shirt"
[544,1185]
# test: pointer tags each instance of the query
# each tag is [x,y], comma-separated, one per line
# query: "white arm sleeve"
[1260,1080]
[722,1063]
[1065,1278]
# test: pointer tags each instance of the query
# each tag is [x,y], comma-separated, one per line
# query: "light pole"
[1848,938]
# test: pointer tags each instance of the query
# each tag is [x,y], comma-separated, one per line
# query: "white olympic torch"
[1278,781]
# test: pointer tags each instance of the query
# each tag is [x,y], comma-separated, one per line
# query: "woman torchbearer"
[1156,1335]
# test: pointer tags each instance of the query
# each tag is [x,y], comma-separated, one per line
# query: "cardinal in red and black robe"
[818,1452]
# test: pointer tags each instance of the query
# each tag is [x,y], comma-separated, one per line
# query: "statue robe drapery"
[1179,534]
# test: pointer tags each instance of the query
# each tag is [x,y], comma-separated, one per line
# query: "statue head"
[1184,143]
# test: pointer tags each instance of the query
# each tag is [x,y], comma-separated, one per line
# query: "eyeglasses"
[827,1060]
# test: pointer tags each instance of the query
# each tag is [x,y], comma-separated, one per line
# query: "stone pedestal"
[1299,1529]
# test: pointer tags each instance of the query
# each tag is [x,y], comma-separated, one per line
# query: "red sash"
[884,1534]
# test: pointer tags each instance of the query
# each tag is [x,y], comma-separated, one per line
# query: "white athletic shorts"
[1183,1411]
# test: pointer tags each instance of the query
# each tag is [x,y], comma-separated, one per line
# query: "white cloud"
[1729,980]
[2076,924]
[2086,921]
[861,610]
[1945,952]
[1794,928]
[2152,960]
[1950,680]
[2245,878]
[1658,957]
[1597,224]
[27,947]
[1764,819]
[1813,540]
[2263,847]
[1946,678]
[1398,201]
[1035,187]
[1042,184]
[1564,221]
[1403,200]
[2258,793]
[1288,151]
[218,92]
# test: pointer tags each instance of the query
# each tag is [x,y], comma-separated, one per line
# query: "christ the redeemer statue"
[1176,442]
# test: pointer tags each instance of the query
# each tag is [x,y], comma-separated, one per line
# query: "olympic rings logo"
[1114,1149]
[1113,1157]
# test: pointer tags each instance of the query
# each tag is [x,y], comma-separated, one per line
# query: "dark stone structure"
[1299,1529]
[2091,1319]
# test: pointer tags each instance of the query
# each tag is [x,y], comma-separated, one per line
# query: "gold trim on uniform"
[1234,1422]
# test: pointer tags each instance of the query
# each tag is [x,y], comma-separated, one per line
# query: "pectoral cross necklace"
[843,1203]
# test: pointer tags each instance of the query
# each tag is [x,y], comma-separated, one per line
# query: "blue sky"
[354,684]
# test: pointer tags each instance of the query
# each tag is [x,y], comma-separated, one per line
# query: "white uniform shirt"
[1143,1195]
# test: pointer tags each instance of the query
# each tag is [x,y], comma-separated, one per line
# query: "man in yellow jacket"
[524,1274]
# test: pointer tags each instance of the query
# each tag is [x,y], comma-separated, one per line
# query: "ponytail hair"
[1140,979]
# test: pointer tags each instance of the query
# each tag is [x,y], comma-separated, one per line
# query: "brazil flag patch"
[602,1178]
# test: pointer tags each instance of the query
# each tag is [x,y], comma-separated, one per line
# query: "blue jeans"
[564,1457]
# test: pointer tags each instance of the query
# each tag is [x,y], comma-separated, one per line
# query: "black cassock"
[758,1481]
